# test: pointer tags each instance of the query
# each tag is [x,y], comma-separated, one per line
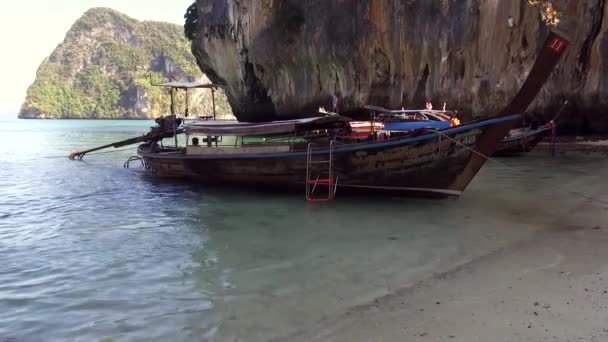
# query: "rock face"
[104,69]
[285,58]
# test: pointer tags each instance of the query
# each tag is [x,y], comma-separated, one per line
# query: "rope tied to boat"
[553,127]
[513,168]
[473,150]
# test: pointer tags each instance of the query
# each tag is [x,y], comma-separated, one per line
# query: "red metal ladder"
[329,179]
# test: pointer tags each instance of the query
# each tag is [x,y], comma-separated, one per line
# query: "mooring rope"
[516,169]
[476,152]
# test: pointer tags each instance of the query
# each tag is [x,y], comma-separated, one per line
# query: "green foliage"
[99,93]
[159,102]
[106,66]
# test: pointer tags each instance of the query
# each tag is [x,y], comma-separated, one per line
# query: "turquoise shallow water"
[91,251]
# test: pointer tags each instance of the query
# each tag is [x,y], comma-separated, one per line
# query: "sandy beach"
[551,286]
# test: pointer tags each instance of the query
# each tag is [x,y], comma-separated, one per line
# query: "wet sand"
[551,286]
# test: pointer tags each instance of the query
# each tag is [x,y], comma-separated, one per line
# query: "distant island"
[105,67]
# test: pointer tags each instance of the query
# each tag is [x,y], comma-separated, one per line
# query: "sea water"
[91,251]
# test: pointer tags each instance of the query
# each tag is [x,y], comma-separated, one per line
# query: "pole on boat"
[80,154]
[187,111]
[150,137]
[559,113]
[173,116]
[553,125]
[374,126]
[213,101]
[172,107]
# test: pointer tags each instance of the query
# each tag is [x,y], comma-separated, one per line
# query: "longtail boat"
[311,154]
[517,140]
[311,151]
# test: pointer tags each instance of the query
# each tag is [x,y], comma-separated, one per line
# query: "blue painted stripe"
[411,125]
[347,148]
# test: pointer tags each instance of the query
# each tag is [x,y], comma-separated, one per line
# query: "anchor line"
[476,152]
[515,169]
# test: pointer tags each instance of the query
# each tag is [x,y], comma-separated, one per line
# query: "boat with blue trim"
[309,153]
[317,154]
[290,154]
[409,120]
[517,141]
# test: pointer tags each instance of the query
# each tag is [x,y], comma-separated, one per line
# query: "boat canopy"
[188,85]
[235,128]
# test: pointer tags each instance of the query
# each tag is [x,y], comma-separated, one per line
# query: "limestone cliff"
[104,69]
[281,58]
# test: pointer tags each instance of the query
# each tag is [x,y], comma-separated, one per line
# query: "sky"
[31,29]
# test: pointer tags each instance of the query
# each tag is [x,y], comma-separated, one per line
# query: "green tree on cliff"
[105,68]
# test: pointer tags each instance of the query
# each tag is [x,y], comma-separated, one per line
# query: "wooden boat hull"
[521,141]
[426,164]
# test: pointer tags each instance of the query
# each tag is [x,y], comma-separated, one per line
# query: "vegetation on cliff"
[105,68]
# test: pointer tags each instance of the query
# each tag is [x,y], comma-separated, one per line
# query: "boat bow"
[552,51]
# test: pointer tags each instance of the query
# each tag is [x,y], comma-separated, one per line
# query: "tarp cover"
[235,128]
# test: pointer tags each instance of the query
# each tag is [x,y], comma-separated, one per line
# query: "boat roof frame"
[406,111]
[189,85]
[175,86]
